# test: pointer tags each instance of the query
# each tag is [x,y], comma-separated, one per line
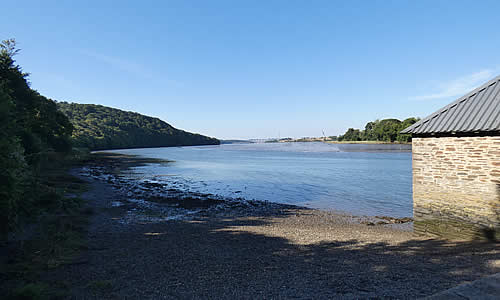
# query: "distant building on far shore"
[456,167]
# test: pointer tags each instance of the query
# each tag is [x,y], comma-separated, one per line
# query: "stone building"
[456,167]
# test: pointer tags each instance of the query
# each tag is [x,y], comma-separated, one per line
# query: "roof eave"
[411,129]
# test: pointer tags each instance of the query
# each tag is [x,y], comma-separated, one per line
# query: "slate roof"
[478,111]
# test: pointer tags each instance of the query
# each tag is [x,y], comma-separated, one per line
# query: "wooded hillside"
[36,136]
[99,127]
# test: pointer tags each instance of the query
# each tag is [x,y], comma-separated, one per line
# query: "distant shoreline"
[320,140]
[366,142]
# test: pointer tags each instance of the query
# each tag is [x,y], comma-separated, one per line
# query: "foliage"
[30,291]
[36,135]
[11,162]
[57,240]
[99,127]
[31,128]
[387,130]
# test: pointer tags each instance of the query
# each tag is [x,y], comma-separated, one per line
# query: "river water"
[357,179]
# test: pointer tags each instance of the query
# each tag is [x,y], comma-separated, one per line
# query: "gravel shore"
[260,250]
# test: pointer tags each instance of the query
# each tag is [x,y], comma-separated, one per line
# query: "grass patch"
[58,240]
[53,234]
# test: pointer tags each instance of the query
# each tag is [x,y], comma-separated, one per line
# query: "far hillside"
[387,130]
[236,142]
[99,127]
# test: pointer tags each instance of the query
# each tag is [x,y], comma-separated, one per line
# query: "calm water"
[325,176]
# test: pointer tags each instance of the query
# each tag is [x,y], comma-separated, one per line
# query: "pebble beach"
[187,248]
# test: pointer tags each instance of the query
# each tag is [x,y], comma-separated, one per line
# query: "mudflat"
[260,251]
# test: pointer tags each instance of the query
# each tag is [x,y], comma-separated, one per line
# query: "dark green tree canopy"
[31,128]
[387,130]
[99,127]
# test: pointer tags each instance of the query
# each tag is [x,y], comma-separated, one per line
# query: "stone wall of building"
[456,186]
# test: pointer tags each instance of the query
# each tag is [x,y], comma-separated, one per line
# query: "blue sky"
[255,69]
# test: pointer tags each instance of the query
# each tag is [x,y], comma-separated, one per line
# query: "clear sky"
[255,69]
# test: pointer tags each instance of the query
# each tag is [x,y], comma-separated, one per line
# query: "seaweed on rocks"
[162,200]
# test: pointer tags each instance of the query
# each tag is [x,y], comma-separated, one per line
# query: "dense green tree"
[351,135]
[11,163]
[368,134]
[34,132]
[406,138]
[387,130]
[31,128]
[99,127]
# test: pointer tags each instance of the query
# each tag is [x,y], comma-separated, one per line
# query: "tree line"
[37,133]
[98,127]
[387,130]
[31,130]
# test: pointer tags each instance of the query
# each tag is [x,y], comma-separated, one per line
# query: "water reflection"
[355,178]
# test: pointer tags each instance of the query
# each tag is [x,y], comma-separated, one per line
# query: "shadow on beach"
[276,253]
[252,258]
